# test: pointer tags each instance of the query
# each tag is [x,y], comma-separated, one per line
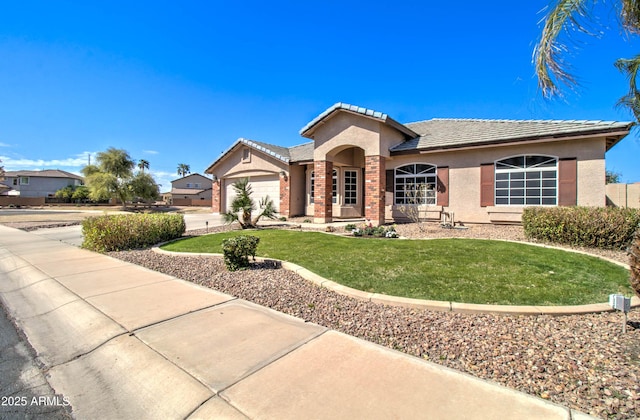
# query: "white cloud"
[151,152]
[16,164]
[4,144]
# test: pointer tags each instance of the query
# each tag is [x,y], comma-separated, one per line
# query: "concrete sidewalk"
[122,342]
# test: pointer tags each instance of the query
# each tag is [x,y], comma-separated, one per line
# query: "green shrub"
[237,251]
[598,227]
[350,227]
[634,263]
[377,231]
[127,231]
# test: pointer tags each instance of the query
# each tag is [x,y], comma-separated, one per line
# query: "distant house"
[30,184]
[361,163]
[191,190]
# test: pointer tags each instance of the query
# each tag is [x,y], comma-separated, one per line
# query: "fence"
[191,202]
[21,201]
[623,195]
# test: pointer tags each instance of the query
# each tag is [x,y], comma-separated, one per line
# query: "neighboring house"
[45,183]
[363,164]
[191,189]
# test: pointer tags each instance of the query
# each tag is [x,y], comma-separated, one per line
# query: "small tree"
[65,193]
[243,206]
[144,187]
[612,177]
[415,195]
[80,194]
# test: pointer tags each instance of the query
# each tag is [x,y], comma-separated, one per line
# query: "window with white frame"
[527,180]
[415,184]
[24,180]
[350,187]
[334,187]
[312,187]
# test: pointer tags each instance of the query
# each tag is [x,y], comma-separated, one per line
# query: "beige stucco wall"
[624,195]
[297,180]
[344,130]
[464,174]
[258,164]
[192,179]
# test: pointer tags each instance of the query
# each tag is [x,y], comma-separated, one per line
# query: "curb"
[434,305]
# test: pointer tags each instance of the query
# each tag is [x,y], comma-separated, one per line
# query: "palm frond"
[630,16]
[550,66]
[630,68]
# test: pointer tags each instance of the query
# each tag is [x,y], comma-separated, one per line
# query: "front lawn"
[458,270]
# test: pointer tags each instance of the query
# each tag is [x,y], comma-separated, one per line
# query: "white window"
[312,187]
[24,180]
[350,187]
[527,180]
[334,187]
[415,184]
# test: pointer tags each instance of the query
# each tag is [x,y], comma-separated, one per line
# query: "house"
[361,163]
[191,190]
[45,183]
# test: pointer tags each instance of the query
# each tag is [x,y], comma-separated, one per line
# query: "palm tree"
[143,164]
[243,205]
[183,169]
[568,14]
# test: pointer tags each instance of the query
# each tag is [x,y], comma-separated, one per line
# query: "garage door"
[261,187]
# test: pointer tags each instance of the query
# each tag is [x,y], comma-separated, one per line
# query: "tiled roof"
[47,173]
[301,152]
[451,133]
[340,106]
[278,152]
[188,191]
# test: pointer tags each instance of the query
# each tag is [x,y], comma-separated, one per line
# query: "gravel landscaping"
[583,362]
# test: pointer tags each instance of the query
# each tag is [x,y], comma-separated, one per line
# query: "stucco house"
[361,163]
[191,189]
[45,183]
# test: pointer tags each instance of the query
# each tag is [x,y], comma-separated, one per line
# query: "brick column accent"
[374,187]
[215,196]
[284,195]
[322,210]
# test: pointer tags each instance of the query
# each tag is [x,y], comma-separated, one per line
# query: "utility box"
[620,303]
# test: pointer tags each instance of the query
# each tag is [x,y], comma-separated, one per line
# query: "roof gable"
[277,152]
[196,175]
[309,129]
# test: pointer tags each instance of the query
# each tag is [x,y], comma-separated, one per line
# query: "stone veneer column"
[215,196]
[322,210]
[284,195]
[374,188]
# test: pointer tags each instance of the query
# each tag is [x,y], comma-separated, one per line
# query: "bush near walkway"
[599,227]
[634,263]
[129,231]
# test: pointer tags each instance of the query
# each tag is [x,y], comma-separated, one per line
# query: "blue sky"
[179,82]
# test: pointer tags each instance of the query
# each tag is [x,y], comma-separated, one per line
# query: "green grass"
[459,270]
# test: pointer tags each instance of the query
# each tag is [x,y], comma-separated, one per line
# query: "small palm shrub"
[237,251]
[128,231]
[598,227]
[243,206]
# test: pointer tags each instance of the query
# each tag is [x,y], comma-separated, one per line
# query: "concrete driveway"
[73,234]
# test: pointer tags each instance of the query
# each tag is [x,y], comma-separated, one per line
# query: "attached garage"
[261,187]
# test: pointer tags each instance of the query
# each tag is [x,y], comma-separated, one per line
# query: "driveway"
[73,234]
